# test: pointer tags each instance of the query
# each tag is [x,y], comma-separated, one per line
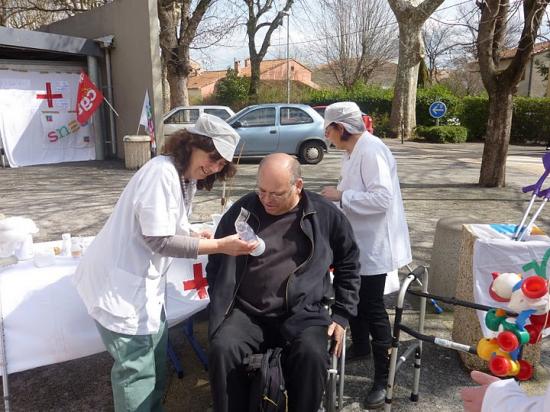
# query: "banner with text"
[38,119]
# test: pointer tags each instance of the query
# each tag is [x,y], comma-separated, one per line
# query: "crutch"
[536,189]
[545,194]
[3,361]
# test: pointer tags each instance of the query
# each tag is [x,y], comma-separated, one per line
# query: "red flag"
[88,99]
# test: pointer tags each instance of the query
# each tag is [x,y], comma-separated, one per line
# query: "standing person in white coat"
[369,195]
[122,276]
[496,395]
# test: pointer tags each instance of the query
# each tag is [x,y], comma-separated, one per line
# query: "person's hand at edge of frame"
[472,397]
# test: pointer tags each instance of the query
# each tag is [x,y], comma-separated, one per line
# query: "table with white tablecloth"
[45,321]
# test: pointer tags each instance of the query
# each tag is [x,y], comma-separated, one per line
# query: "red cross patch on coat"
[199,282]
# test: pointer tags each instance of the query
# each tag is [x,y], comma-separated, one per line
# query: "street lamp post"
[287,13]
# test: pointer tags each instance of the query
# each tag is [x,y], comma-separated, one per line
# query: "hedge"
[377,102]
[530,121]
[371,99]
[474,115]
[426,96]
[443,134]
[530,118]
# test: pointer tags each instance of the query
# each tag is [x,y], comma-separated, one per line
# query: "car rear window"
[293,115]
[183,116]
[221,113]
[259,117]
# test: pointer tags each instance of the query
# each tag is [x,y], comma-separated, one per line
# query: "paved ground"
[437,181]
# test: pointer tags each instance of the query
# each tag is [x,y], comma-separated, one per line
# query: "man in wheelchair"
[276,299]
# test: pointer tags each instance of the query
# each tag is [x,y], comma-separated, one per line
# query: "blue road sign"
[438,110]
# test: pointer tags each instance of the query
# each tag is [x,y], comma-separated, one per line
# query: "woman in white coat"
[122,276]
[369,195]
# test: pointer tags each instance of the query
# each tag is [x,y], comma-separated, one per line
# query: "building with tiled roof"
[203,84]
[532,83]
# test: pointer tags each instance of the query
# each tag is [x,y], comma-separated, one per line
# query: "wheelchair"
[334,393]
[333,399]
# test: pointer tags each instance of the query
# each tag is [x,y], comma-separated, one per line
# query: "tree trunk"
[254,79]
[502,83]
[178,28]
[178,70]
[495,149]
[165,85]
[403,113]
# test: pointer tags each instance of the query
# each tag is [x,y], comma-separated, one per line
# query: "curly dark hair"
[180,146]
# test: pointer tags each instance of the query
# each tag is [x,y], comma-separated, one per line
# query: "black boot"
[377,394]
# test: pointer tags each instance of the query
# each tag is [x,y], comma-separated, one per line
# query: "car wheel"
[311,153]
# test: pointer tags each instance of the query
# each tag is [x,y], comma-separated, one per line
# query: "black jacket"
[332,243]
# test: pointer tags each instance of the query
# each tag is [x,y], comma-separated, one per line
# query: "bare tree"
[183,28]
[359,38]
[467,27]
[464,78]
[178,27]
[410,15]
[32,14]
[438,41]
[501,83]
[258,19]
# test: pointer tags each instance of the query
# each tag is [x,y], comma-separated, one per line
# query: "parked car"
[295,129]
[185,116]
[366,118]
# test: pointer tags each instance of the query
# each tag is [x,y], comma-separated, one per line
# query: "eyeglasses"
[273,195]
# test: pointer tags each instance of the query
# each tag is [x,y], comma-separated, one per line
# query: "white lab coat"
[121,281]
[507,396]
[371,200]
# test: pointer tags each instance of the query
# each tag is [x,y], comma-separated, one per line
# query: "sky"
[302,36]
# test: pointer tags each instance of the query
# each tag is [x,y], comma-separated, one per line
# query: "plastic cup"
[216,217]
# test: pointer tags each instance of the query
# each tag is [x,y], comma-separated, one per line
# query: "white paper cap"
[224,136]
[348,114]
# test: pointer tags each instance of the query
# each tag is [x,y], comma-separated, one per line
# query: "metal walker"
[420,275]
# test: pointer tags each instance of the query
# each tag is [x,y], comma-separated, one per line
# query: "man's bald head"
[279,183]
[281,164]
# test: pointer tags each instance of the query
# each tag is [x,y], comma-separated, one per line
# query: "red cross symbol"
[199,282]
[49,96]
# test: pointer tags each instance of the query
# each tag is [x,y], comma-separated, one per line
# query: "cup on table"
[44,257]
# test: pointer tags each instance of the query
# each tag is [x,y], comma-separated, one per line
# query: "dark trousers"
[305,362]
[372,319]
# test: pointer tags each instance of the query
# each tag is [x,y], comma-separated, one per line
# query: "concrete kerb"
[445,256]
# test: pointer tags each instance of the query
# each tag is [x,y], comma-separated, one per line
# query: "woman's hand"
[232,245]
[331,193]
[205,234]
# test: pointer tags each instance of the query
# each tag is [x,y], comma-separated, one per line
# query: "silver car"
[185,116]
[295,129]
